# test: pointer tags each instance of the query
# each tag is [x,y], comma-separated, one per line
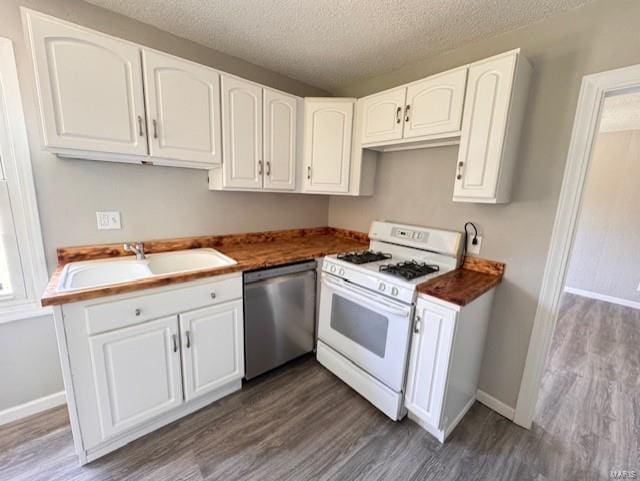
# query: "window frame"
[16,166]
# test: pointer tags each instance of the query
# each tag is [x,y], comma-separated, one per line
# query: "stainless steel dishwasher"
[279,315]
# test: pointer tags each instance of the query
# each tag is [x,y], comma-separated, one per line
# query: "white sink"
[184,261]
[103,272]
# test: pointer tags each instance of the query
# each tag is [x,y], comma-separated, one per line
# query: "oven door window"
[363,326]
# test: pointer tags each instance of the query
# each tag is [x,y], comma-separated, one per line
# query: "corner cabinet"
[328,123]
[494,111]
[445,359]
[134,362]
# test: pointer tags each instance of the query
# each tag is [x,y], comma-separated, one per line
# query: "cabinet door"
[279,140]
[327,144]
[183,109]
[137,373]
[241,133]
[212,347]
[89,88]
[429,363]
[434,105]
[382,116]
[484,127]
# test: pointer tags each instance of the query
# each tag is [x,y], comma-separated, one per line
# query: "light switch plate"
[474,248]
[108,220]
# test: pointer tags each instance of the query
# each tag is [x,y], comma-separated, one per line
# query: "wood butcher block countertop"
[250,251]
[265,249]
[474,278]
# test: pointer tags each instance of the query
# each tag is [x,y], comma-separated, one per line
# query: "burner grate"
[409,269]
[363,257]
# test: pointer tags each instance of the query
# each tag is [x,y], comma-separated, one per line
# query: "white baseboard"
[498,406]
[602,297]
[32,407]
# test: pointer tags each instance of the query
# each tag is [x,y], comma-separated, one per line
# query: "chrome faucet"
[137,249]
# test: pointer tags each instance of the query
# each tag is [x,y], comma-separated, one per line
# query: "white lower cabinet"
[137,373]
[212,347]
[444,366]
[135,362]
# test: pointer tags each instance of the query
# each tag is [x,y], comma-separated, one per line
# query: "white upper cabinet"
[183,108]
[280,141]
[434,105]
[327,144]
[89,88]
[426,108]
[137,374]
[242,133]
[212,347]
[383,116]
[494,109]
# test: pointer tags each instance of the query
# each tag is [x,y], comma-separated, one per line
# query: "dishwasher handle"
[269,273]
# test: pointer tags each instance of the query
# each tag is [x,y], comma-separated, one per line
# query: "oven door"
[369,329]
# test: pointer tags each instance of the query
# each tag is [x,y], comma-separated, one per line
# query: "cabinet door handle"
[460,165]
[398,116]
[155,129]
[406,113]
[309,172]
[269,168]
[259,167]
[188,339]
[416,327]
[175,342]
[140,129]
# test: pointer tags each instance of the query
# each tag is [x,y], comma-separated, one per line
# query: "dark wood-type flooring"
[301,422]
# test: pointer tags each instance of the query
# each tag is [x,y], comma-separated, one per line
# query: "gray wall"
[606,254]
[155,202]
[416,186]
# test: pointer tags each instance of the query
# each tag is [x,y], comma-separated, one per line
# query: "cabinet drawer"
[105,316]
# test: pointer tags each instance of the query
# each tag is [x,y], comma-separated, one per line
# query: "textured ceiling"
[621,112]
[331,43]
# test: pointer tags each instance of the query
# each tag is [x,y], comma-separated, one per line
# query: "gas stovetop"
[398,259]
[363,257]
[409,270]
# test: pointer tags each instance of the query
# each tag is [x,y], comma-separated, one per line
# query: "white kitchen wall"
[155,202]
[606,252]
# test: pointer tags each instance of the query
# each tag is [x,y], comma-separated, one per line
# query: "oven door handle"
[356,293]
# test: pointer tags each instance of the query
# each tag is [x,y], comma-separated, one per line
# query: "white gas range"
[366,307]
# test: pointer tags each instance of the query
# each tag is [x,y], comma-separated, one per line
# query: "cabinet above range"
[479,106]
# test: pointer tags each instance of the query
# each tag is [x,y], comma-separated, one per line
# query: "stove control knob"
[341,272]
[394,291]
[381,287]
[332,268]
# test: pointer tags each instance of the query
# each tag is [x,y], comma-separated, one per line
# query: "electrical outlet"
[108,220]
[473,248]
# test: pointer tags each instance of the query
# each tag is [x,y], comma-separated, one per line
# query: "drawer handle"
[416,328]
[188,339]
[138,312]
[175,342]
[213,295]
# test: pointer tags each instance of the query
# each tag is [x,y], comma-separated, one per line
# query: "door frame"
[593,90]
